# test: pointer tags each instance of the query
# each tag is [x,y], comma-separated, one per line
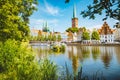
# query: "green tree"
[95,35]
[42,38]
[17,62]
[50,37]
[59,38]
[72,29]
[45,38]
[14,18]
[54,38]
[85,35]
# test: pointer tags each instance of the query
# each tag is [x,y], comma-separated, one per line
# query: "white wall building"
[107,38]
[106,34]
[64,37]
[79,34]
[117,34]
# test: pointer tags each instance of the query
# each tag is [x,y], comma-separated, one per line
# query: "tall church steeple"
[45,27]
[74,18]
[74,11]
[46,24]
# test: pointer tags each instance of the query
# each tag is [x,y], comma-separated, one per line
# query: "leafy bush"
[48,70]
[72,29]
[46,38]
[58,48]
[17,62]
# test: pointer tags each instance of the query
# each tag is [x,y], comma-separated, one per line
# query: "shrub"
[17,62]
[48,70]
[58,48]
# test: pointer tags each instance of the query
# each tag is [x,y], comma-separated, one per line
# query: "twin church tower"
[74,18]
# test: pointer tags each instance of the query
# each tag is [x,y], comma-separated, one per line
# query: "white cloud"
[50,9]
[95,27]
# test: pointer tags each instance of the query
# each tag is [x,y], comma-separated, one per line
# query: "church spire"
[74,11]
[74,18]
[46,24]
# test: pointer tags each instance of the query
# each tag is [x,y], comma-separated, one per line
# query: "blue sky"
[58,15]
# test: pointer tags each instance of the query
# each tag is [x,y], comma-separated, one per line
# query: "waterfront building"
[44,32]
[106,33]
[117,34]
[70,36]
[79,34]
[34,32]
[64,37]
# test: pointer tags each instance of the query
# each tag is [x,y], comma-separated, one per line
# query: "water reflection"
[117,49]
[74,57]
[85,52]
[95,52]
[78,54]
[92,58]
[75,64]
[42,51]
[106,56]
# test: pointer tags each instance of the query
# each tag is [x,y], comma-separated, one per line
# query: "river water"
[100,60]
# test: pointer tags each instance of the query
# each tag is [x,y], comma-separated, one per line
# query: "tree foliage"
[50,37]
[59,38]
[85,35]
[95,35]
[72,29]
[17,62]
[111,8]
[14,18]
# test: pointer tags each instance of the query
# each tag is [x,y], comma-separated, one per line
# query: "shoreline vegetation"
[58,48]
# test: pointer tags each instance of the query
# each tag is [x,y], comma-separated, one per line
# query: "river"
[103,60]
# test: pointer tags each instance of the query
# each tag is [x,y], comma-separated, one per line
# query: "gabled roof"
[105,29]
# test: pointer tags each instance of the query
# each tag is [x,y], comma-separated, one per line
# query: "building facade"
[106,33]
[117,34]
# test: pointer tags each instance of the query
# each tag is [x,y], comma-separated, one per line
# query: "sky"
[58,15]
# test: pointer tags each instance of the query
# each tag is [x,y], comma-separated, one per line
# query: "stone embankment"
[102,44]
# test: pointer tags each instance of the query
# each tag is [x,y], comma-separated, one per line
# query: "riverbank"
[105,44]
[40,41]
[79,44]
